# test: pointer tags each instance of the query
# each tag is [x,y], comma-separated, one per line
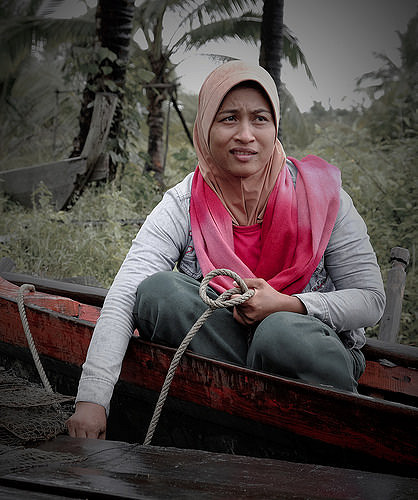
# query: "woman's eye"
[261,118]
[229,118]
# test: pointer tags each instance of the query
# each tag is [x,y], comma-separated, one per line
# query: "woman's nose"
[244,132]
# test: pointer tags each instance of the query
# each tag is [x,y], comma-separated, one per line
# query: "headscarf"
[244,198]
[296,221]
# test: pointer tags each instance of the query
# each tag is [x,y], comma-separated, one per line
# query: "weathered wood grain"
[395,287]
[119,470]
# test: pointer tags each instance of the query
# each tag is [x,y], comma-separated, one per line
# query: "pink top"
[247,244]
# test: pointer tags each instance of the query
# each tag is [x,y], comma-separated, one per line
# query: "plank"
[120,470]
[87,294]
[399,354]
[389,378]
[101,121]
[395,287]
[9,493]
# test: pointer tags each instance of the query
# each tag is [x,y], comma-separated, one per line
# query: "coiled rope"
[32,347]
[222,301]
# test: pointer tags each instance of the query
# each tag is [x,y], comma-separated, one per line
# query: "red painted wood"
[49,302]
[396,379]
[377,428]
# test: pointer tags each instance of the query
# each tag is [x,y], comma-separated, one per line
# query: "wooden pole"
[183,121]
[395,287]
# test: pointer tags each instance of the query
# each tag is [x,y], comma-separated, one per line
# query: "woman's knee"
[162,288]
[158,284]
[275,341]
[303,348]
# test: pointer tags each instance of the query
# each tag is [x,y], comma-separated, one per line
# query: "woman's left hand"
[265,301]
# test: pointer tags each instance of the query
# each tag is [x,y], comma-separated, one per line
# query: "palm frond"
[247,29]
[19,36]
[10,9]
[388,72]
[219,58]
[48,7]
[215,9]
[293,53]
[244,28]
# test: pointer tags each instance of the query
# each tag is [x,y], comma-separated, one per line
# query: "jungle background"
[50,71]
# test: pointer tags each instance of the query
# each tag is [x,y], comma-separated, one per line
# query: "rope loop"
[224,299]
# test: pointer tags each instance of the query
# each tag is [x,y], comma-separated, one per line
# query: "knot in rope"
[224,300]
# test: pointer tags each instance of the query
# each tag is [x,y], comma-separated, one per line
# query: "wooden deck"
[79,468]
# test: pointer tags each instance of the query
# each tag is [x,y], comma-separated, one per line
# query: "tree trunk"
[155,121]
[114,22]
[271,49]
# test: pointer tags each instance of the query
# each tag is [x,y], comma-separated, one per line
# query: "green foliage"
[295,129]
[90,240]
[39,85]
[381,180]
[393,90]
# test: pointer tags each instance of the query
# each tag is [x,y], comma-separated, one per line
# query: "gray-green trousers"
[288,344]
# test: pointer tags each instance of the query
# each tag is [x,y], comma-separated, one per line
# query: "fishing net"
[28,413]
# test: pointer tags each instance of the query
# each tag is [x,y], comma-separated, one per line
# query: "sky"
[338,37]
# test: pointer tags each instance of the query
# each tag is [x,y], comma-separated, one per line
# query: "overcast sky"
[338,38]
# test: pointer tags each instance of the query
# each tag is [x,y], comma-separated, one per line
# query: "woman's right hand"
[88,421]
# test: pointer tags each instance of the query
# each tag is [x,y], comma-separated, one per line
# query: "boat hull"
[213,405]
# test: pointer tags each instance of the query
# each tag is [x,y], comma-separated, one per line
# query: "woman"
[285,226]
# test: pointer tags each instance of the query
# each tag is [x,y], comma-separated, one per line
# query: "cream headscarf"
[244,198]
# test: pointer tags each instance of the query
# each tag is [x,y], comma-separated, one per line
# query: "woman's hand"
[88,421]
[264,302]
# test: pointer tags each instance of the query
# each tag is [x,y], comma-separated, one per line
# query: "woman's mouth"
[243,154]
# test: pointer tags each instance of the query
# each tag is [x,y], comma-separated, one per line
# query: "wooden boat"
[220,407]
[66,177]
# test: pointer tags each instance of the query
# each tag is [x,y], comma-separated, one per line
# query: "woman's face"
[243,132]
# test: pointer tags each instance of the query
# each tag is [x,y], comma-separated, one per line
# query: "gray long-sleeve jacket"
[345,291]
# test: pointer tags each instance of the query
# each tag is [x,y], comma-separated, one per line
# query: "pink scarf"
[296,223]
[296,227]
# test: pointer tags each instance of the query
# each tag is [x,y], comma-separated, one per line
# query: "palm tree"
[114,22]
[271,37]
[202,21]
[28,30]
[33,52]
[277,42]
[24,33]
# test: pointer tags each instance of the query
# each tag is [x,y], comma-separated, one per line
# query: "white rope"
[32,347]
[222,301]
